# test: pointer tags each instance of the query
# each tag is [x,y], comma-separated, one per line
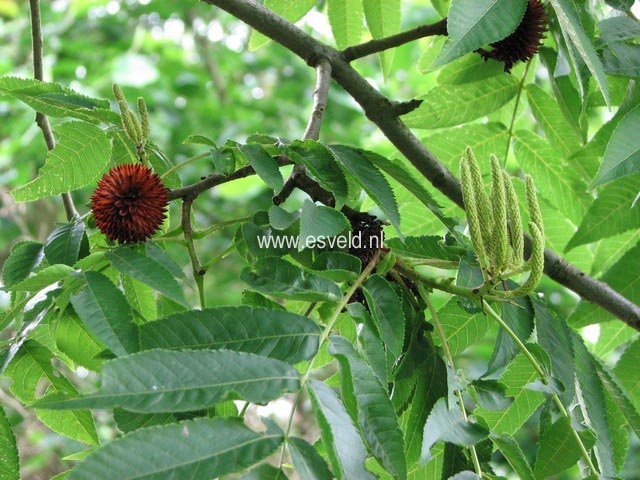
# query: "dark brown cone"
[130,203]
[369,229]
[525,41]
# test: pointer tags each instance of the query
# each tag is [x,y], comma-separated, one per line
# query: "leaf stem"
[324,336]
[447,352]
[544,377]
[515,112]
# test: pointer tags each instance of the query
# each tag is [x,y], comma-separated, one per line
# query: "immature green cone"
[532,204]
[144,118]
[536,263]
[515,225]
[485,213]
[500,235]
[470,206]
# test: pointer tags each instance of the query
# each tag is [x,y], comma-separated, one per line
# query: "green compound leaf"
[371,179]
[369,402]
[24,257]
[319,222]
[64,244]
[576,37]
[79,158]
[323,165]
[383,19]
[272,333]
[200,448]
[43,278]
[29,369]
[449,425]
[549,115]
[147,270]
[559,449]
[449,105]
[622,156]
[9,461]
[473,25]
[387,313]
[264,165]
[308,462]
[105,311]
[610,214]
[345,450]
[57,101]
[345,18]
[279,278]
[514,455]
[159,381]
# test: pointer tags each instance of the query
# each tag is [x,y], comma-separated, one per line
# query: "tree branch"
[38,73]
[312,132]
[320,96]
[380,110]
[217,179]
[381,44]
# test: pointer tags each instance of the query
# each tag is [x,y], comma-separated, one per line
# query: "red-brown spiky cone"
[525,41]
[130,203]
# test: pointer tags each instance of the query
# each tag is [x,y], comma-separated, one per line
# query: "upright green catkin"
[485,215]
[144,118]
[536,263]
[128,125]
[120,98]
[500,235]
[136,125]
[470,206]
[532,204]
[515,222]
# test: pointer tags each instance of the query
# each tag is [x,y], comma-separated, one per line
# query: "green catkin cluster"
[137,131]
[495,225]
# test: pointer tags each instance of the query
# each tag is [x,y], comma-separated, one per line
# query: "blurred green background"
[193,66]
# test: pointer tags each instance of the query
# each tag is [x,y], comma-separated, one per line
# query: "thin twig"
[381,44]
[198,271]
[379,109]
[38,74]
[217,179]
[447,352]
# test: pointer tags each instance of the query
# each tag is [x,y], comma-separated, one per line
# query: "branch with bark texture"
[380,110]
[392,41]
[312,132]
[38,74]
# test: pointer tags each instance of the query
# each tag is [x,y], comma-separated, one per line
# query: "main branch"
[380,110]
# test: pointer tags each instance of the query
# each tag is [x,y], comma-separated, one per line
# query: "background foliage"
[569,119]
